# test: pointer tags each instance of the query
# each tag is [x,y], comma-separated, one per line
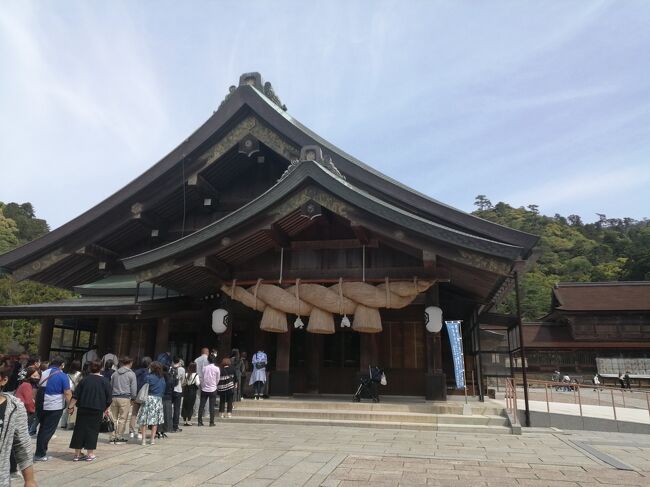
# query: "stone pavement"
[287,455]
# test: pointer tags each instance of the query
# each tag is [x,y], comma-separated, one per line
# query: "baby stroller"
[368,385]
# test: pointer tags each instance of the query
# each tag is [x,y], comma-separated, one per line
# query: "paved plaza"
[286,455]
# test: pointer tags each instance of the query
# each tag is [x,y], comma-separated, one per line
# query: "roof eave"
[309,170]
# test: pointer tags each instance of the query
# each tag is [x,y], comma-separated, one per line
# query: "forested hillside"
[610,249]
[19,225]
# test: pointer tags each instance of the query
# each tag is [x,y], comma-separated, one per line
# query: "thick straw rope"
[320,303]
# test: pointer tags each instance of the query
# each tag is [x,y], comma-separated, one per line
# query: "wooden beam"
[377,274]
[97,252]
[501,319]
[157,270]
[214,265]
[400,247]
[428,258]
[203,187]
[39,265]
[279,236]
[466,295]
[361,233]
[147,219]
[461,256]
[350,243]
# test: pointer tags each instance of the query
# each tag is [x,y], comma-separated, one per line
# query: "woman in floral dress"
[151,412]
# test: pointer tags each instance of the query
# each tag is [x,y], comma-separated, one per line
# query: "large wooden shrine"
[255,214]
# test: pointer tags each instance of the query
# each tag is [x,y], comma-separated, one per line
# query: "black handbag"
[260,365]
[107,425]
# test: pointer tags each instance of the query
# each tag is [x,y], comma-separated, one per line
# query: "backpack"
[173,372]
[165,359]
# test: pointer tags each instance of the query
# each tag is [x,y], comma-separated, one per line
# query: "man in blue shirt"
[57,392]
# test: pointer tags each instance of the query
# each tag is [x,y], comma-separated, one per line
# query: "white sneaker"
[230,415]
[131,434]
[139,436]
[222,415]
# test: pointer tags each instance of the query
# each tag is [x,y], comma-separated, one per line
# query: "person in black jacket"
[92,396]
[167,403]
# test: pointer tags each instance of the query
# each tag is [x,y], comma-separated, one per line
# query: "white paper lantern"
[220,320]
[433,319]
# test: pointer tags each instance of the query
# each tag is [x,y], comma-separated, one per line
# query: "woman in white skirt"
[258,375]
[151,412]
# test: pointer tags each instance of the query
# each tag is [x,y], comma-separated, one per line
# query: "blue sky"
[543,103]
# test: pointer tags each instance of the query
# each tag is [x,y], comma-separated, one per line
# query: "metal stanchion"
[614,408]
[580,404]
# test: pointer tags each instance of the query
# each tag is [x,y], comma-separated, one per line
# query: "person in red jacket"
[26,392]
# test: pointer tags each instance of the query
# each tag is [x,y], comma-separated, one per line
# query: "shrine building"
[295,239]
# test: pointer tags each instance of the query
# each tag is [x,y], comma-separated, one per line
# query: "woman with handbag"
[93,397]
[151,413]
[73,371]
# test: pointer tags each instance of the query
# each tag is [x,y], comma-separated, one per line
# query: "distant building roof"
[602,296]
[97,306]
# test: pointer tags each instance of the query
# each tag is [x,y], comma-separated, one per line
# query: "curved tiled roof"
[310,170]
[247,97]
[602,296]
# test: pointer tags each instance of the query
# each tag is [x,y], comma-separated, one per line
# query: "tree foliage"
[19,225]
[610,249]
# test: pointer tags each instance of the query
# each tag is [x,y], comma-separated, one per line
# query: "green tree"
[8,232]
[482,203]
[609,249]
[19,225]
[29,227]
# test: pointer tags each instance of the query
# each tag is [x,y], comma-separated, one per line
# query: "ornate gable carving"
[312,153]
[254,79]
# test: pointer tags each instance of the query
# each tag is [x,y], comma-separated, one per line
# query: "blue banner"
[456,341]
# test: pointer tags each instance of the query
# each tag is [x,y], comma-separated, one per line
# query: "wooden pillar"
[314,351]
[369,353]
[45,339]
[280,378]
[435,380]
[162,336]
[104,335]
[225,342]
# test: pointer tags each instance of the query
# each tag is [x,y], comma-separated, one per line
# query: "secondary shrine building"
[256,214]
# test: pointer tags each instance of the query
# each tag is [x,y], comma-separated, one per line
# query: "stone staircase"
[413,415]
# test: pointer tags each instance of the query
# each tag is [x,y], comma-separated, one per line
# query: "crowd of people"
[38,397]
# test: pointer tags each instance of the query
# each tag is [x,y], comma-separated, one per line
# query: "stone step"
[414,407]
[369,415]
[447,428]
